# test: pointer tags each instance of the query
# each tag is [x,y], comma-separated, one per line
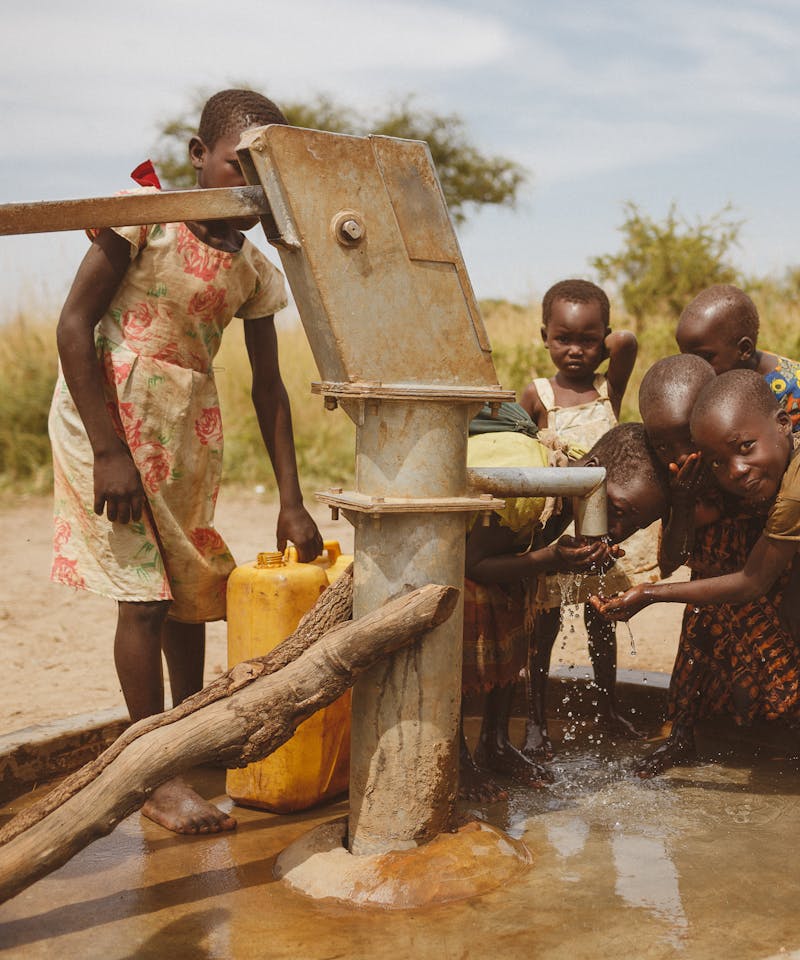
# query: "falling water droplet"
[633,642]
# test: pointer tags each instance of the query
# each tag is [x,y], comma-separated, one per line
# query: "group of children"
[715,461]
[137,450]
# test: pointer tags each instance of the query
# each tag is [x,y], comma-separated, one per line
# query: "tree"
[663,265]
[469,178]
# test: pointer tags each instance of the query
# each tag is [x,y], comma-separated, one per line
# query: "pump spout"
[591,512]
[587,485]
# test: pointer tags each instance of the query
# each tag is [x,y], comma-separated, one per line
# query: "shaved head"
[727,308]
[736,392]
[672,385]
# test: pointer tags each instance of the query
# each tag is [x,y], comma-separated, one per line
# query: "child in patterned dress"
[137,435]
[713,532]
[746,439]
[579,405]
[503,563]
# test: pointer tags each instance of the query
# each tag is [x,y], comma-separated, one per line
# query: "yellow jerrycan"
[332,561]
[266,600]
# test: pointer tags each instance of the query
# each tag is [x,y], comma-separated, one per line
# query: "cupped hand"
[118,487]
[579,554]
[297,524]
[623,606]
[689,478]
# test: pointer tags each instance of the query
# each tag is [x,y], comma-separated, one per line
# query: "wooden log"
[335,605]
[245,726]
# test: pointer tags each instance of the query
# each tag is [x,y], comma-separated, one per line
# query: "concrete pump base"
[454,866]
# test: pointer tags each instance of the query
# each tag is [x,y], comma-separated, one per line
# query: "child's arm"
[621,350]
[117,484]
[767,561]
[677,539]
[271,404]
[491,556]
[531,403]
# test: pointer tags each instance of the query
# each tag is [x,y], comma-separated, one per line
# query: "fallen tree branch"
[335,605]
[246,725]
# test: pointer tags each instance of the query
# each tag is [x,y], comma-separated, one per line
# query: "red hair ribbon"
[145,175]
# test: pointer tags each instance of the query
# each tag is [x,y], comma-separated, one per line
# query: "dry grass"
[324,440]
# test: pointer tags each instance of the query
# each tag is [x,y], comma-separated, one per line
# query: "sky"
[692,103]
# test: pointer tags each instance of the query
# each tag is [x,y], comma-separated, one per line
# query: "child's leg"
[602,636]
[495,750]
[537,744]
[137,654]
[184,646]
[679,748]
[474,783]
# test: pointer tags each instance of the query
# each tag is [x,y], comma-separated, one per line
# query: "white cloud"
[114,70]
[577,151]
[576,91]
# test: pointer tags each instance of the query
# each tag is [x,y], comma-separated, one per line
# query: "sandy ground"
[57,643]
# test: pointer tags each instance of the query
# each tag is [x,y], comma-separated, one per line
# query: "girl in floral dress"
[137,435]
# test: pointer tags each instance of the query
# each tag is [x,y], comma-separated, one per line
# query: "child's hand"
[118,487]
[297,525]
[573,554]
[686,480]
[624,606]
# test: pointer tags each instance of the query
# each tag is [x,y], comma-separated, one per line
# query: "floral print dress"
[156,344]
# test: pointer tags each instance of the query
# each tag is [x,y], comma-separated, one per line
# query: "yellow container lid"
[270,558]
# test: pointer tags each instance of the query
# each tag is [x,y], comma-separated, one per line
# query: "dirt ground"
[57,643]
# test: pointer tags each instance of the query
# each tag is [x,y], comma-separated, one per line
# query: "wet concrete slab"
[699,863]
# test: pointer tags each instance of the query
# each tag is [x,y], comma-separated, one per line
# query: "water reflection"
[569,837]
[646,877]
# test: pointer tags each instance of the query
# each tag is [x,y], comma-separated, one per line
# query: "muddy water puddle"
[698,863]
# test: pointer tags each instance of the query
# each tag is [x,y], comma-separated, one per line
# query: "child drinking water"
[497,614]
[136,432]
[579,405]
[746,439]
[502,572]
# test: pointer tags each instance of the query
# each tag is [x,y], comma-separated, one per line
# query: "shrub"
[663,265]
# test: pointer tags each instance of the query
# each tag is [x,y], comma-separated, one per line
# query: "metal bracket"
[364,503]
[334,392]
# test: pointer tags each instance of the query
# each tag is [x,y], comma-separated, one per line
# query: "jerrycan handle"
[333,550]
[290,554]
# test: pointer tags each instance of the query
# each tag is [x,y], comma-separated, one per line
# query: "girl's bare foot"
[675,751]
[508,761]
[176,806]
[537,745]
[618,725]
[476,785]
